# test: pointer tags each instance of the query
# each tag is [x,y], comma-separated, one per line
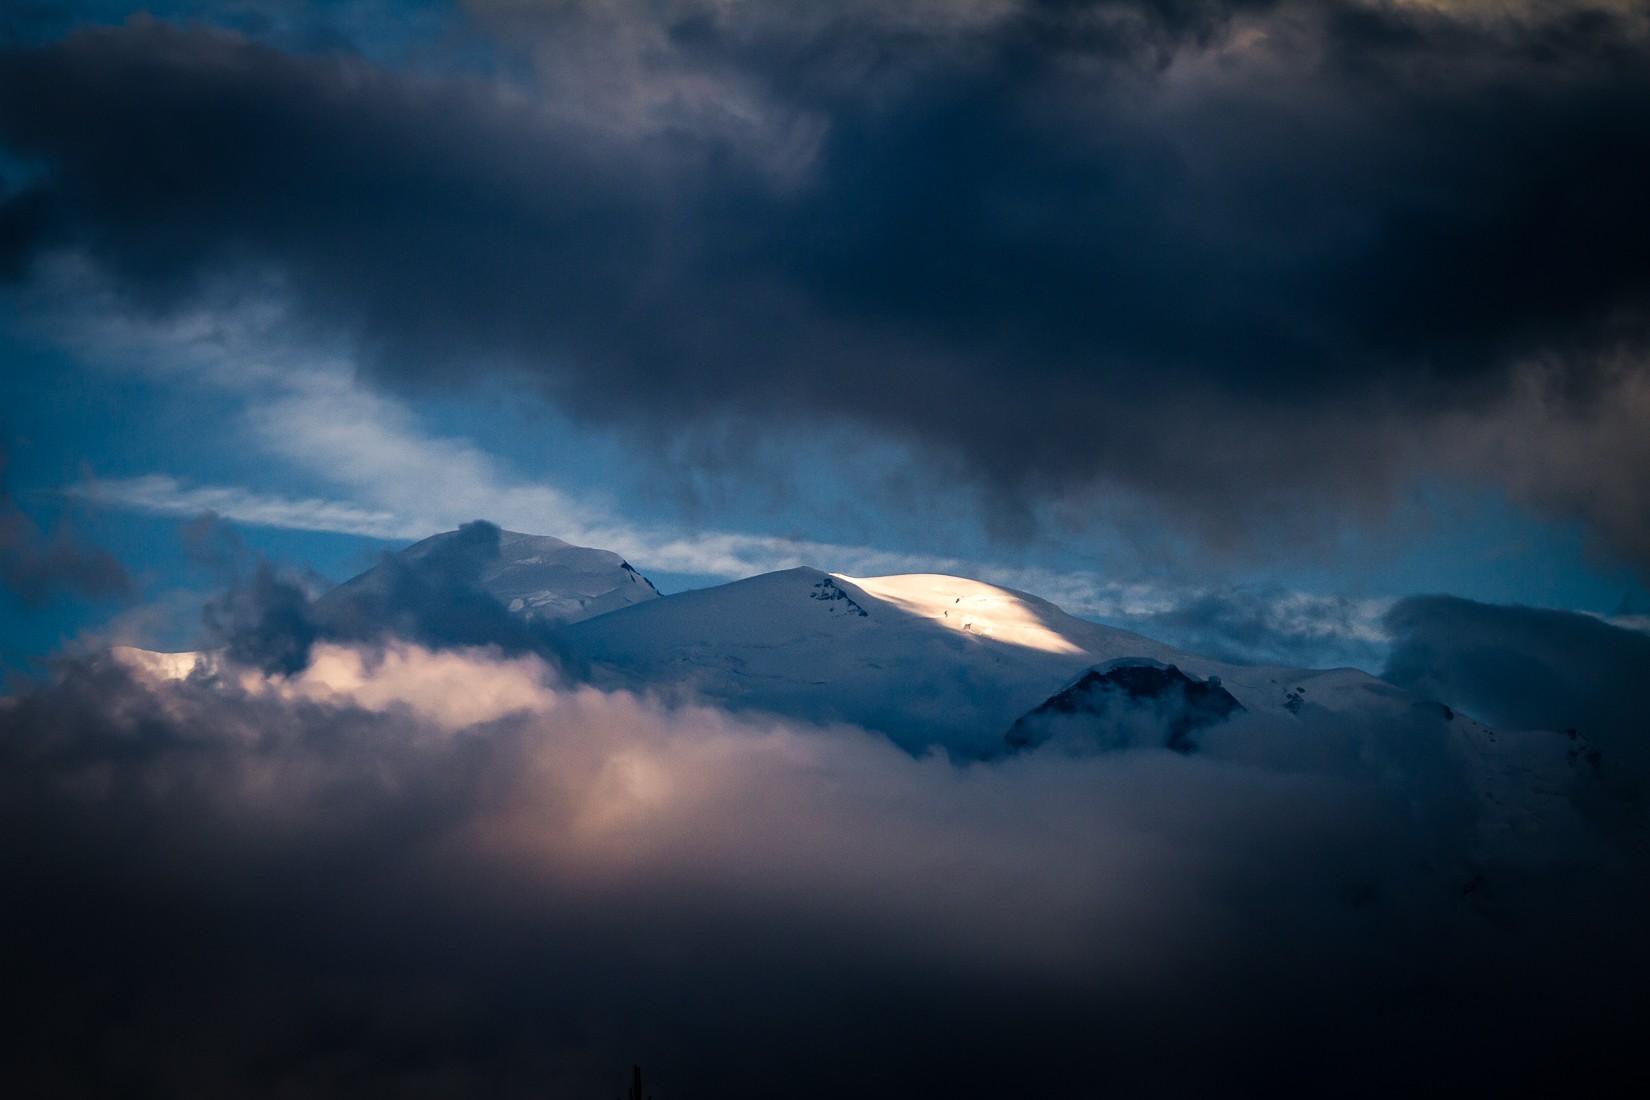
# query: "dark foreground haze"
[421,872]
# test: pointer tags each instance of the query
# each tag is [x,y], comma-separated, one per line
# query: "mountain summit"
[534,577]
[926,659]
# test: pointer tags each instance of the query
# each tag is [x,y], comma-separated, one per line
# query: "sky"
[1297,332]
[1230,322]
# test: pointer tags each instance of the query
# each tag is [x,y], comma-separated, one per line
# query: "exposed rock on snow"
[1127,704]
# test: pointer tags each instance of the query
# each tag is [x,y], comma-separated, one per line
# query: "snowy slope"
[536,577]
[929,660]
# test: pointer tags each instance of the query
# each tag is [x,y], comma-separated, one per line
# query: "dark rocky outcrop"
[1131,703]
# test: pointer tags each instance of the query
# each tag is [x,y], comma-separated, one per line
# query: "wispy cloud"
[160,494]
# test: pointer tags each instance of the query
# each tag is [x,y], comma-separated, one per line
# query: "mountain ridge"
[942,664]
[538,578]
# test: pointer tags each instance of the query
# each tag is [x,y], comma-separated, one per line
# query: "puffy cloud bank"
[449,873]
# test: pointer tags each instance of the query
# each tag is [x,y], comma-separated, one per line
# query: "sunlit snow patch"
[153,666]
[972,607]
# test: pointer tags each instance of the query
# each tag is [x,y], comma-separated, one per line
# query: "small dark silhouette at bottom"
[636,1085]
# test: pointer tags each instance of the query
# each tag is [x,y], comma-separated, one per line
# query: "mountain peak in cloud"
[930,661]
[537,578]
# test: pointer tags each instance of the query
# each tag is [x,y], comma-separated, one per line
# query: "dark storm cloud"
[439,874]
[1528,668]
[36,568]
[267,621]
[1239,258]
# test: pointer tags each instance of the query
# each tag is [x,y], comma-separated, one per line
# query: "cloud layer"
[410,872]
[1252,263]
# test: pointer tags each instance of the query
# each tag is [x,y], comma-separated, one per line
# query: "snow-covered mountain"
[940,663]
[535,577]
[931,661]
[983,672]
[928,660]
[979,673]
